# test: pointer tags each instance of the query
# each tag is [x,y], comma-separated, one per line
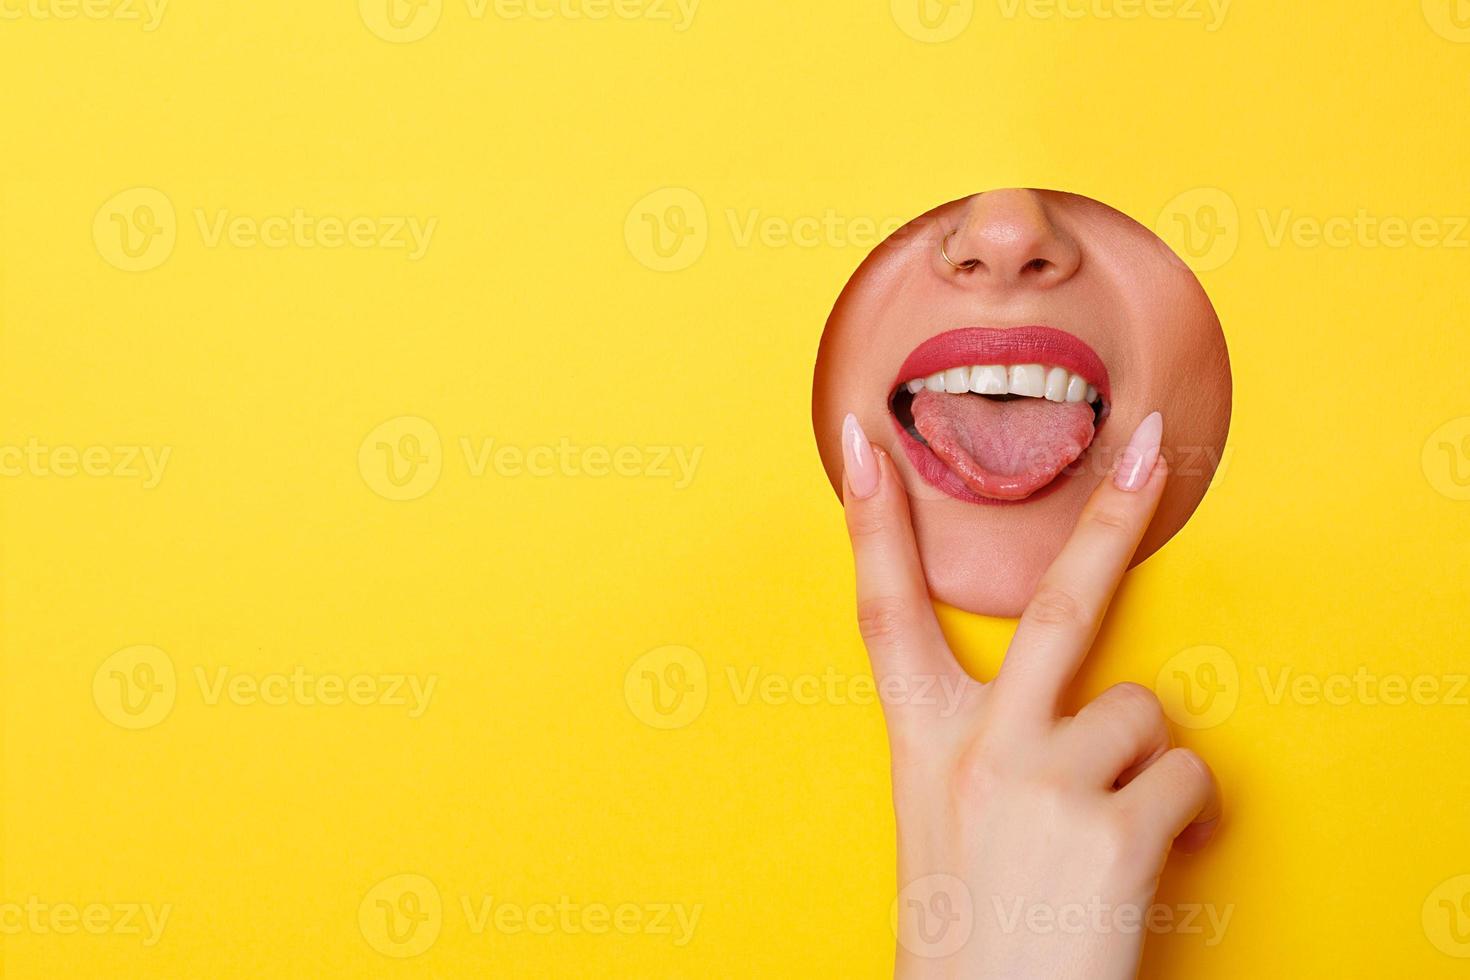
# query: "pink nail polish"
[857,459]
[1137,461]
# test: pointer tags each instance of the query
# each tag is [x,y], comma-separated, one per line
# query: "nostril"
[1036,265]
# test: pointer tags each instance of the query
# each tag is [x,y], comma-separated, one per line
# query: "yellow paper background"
[544,313]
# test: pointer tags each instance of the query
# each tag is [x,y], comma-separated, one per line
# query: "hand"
[1029,844]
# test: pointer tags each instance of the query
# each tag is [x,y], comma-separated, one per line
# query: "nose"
[1008,239]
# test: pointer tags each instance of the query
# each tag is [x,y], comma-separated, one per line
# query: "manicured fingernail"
[1142,453]
[857,459]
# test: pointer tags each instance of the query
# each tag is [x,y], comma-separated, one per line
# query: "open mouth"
[999,415]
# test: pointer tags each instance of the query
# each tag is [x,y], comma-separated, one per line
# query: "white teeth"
[1056,385]
[1053,383]
[989,379]
[1028,379]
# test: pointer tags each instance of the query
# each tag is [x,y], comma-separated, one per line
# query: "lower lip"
[980,345]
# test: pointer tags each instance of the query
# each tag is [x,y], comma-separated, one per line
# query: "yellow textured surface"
[334,313]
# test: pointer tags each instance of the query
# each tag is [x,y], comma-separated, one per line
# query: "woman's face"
[1002,348]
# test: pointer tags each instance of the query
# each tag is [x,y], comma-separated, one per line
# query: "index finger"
[895,614]
[1063,616]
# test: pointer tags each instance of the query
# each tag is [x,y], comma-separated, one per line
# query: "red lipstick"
[1015,345]
[997,448]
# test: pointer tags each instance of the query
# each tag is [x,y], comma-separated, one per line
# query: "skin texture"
[1045,258]
[1001,801]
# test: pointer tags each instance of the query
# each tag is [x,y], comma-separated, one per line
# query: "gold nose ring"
[964,266]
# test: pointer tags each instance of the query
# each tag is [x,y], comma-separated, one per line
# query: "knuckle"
[1110,519]
[972,764]
[1053,606]
[1140,704]
[982,768]
[1190,769]
[1055,789]
[882,617]
[866,522]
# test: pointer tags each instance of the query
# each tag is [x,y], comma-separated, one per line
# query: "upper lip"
[1007,346]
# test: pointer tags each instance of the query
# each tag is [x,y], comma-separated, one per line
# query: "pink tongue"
[1003,449]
